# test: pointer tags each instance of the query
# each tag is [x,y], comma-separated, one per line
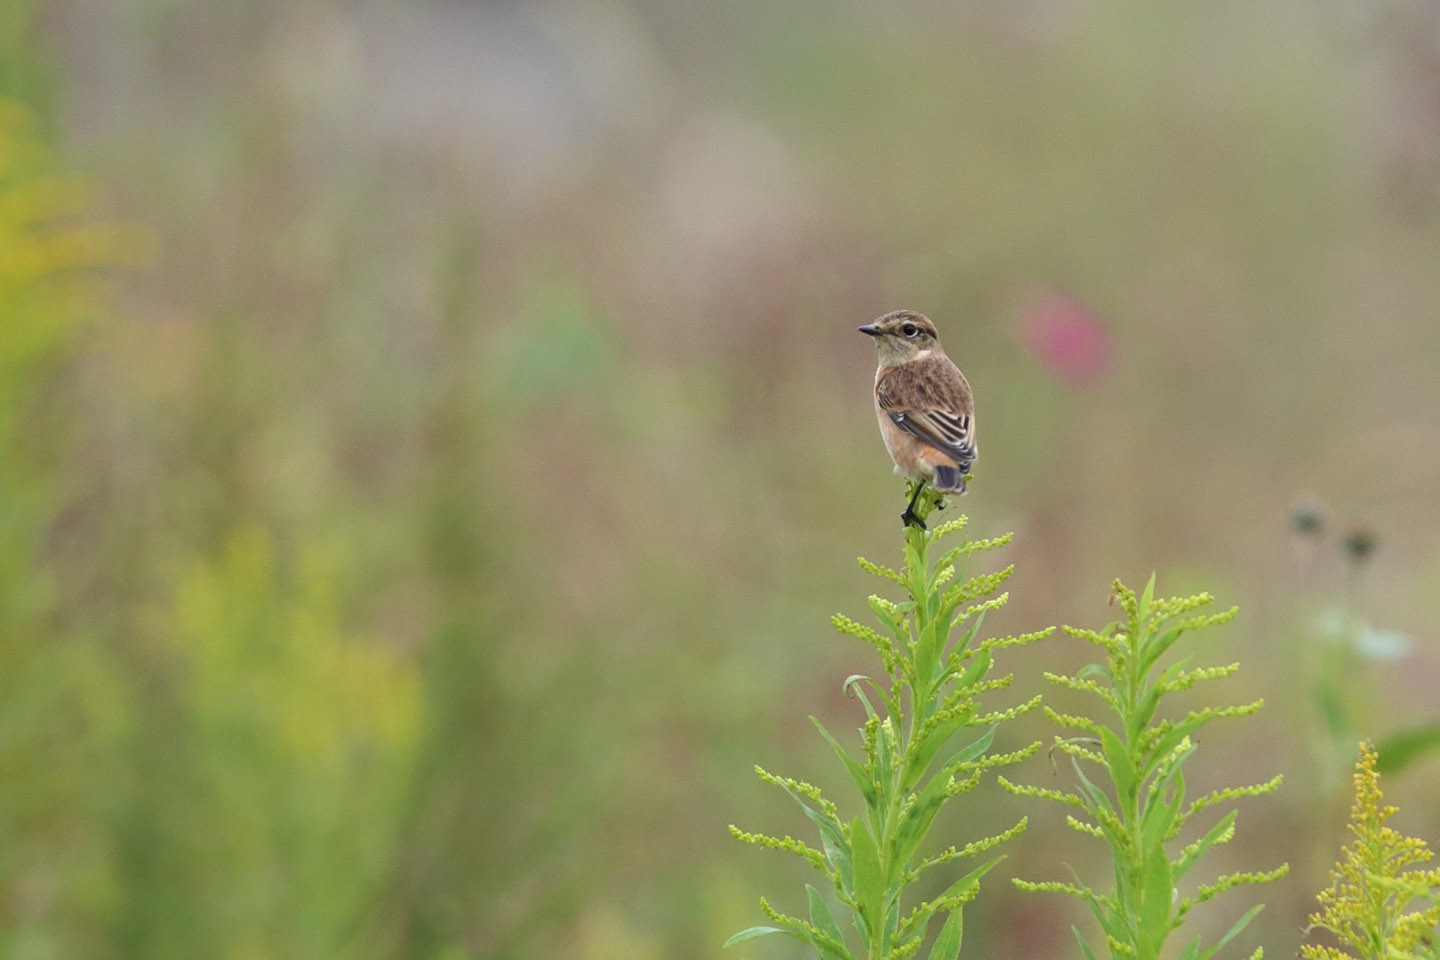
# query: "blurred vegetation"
[414,525]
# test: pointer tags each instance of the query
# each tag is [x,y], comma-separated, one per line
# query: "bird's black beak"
[871,330]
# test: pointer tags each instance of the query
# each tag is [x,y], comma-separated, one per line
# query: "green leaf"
[854,680]
[829,831]
[837,852]
[1402,749]
[831,838]
[1084,947]
[824,822]
[914,563]
[1145,709]
[977,669]
[927,656]
[1156,899]
[884,756]
[1180,731]
[947,944]
[869,883]
[1337,718]
[828,949]
[821,916]
[921,814]
[1117,758]
[1191,951]
[937,739]
[1157,645]
[1113,925]
[970,879]
[1240,924]
[1173,671]
[1205,843]
[1097,796]
[750,933]
[1160,814]
[885,617]
[1176,763]
[927,910]
[857,772]
[1144,608]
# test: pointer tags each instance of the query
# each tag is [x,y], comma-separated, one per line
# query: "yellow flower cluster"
[1367,905]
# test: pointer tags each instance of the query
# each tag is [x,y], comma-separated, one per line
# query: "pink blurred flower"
[1069,340]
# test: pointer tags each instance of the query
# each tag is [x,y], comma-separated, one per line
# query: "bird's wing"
[930,400]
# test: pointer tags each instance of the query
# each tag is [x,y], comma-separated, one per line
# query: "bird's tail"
[949,479]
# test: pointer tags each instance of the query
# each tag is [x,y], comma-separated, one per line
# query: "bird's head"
[902,336]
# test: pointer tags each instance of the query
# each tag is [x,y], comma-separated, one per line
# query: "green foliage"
[1371,890]
[928,696]
[209,759]
[1400,750]
[290,736]
[61,710]
[24,70]
[1143,806]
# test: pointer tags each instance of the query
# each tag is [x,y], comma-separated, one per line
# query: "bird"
[924,405]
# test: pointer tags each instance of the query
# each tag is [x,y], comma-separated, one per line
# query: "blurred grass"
[412,557]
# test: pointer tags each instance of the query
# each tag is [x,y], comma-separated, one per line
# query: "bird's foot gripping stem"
[910,518]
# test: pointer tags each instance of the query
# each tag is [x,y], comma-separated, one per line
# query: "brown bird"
[924,405]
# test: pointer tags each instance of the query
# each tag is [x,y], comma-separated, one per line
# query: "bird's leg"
[909,518]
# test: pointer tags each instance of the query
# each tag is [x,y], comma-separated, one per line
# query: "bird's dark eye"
[909,329]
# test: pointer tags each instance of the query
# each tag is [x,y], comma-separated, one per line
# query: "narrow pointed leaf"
[1206,842]
[1097,796]
[1402,749]
[913,561]
[1084,947]
[1156,898]
[885,617]
[955,889]
[857,772]
[821,917]
[947,944]
[971,878]
[853,681]
[977,669]
[927,655]
[1180,731]
[1117,758]
[1161,813]
[927,750]
[935,740]
[750,933]
[837,853]
[869,883]
[1240,924]
[825,824]
[829,949]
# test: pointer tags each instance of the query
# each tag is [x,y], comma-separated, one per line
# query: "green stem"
[921,695]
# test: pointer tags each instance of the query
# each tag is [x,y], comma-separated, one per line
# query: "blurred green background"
[435,437]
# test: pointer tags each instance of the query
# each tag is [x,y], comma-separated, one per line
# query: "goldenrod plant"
[60,700]
[1371,904]
[935,669]
[1138,804]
